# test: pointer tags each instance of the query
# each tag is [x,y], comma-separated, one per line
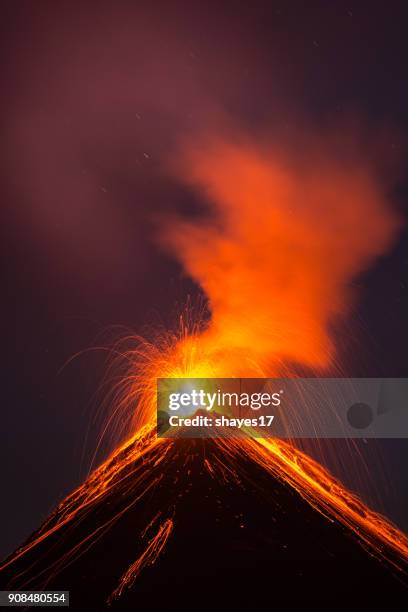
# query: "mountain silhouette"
[180,527]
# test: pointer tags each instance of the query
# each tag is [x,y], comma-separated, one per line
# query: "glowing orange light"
[275,256]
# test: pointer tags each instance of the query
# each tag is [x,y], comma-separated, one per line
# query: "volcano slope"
[182,524]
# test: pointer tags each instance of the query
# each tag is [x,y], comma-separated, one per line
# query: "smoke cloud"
[291,224]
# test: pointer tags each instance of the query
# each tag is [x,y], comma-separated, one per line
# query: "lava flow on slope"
[204,522]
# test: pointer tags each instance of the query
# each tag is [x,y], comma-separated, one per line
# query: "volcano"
[176,525]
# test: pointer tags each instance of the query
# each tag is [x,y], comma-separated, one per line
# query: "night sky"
[95,97]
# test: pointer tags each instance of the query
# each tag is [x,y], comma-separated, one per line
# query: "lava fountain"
[284,236]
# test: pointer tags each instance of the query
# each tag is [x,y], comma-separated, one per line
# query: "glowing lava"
[285,236]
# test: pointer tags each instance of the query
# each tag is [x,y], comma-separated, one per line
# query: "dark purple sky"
[95,96]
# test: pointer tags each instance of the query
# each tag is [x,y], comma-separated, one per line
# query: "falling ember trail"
[148,557]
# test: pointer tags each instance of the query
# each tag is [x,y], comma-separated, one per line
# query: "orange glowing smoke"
[286,234]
